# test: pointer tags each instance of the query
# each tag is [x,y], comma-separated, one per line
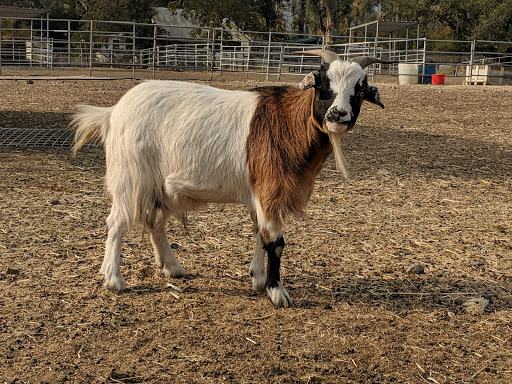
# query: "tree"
[139,11]
[256,15]
[496,24]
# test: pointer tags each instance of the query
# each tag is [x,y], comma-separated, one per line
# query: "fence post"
[90,51]
[196,52]
[248,59]
[471,61]
[268,57]
[424,60]
[69,41]
[281,57]
[31,41]
[154,50]
[0,46]
[213,53]
[221,49]
[133,53]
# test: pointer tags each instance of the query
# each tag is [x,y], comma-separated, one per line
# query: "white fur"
[343,76]
[175,143]
[184,139]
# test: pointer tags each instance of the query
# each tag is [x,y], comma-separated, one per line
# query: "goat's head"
[341,87]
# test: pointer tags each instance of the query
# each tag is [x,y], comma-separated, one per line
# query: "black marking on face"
[323,85]
[356,100]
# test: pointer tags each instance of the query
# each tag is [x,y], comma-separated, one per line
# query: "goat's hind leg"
[164,255]
[110,268]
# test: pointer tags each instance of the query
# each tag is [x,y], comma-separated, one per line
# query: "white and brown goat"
[173,146]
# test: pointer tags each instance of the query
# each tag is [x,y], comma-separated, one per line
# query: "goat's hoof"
[279,296]
[174,270]
[258,280]
[115,284]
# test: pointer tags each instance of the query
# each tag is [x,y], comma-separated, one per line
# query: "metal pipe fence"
[93,44]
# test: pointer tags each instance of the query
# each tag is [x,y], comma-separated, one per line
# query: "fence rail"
[94,44]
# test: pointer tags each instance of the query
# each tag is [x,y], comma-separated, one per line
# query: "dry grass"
[431,182]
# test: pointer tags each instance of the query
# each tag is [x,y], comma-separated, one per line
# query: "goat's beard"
[336,138]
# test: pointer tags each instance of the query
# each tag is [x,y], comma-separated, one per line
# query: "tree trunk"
[302,17]
[327,26]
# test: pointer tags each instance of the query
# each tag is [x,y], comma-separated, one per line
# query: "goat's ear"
[310,80]
[373,96]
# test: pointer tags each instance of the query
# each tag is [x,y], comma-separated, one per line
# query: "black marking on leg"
[274,250]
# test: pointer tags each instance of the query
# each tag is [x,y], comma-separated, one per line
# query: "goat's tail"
[91,123]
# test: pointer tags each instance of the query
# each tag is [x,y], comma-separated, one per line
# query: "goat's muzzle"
[338,121]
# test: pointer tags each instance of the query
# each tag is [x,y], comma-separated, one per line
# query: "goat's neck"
[285,150]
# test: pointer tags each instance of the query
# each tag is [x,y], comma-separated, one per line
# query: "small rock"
[451,314]
[54,201]
[30,81]
[475,305]
[416,269]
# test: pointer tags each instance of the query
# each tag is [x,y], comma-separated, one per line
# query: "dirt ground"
[430,184]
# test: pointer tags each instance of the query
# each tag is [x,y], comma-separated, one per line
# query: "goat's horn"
[326,55]
[365,61]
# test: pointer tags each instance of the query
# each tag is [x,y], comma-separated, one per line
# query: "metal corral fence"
[93,44]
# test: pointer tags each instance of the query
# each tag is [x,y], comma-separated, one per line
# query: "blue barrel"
[429,71]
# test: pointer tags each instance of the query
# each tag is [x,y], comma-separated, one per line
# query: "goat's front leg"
[274,286]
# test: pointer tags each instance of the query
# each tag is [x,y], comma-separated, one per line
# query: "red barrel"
[438,79]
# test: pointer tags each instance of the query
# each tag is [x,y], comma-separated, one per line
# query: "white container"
[407,73]
[485,74]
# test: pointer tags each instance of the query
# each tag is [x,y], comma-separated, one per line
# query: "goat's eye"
[326,94]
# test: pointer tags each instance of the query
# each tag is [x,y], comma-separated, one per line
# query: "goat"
[173,146]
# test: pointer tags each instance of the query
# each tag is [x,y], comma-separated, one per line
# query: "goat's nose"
[334,114]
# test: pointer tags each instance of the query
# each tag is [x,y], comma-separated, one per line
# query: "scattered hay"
[430,181]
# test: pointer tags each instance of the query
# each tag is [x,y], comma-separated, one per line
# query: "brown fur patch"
[285,150]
